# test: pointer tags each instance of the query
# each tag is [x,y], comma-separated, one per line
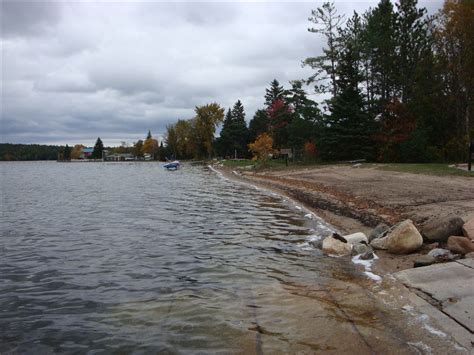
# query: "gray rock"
[378,232]
[469,255]
[368,255]
[440,229]
[442,254]
[424,260]
[360,248]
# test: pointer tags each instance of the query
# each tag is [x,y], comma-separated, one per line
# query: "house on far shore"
[120,157]
[86,153]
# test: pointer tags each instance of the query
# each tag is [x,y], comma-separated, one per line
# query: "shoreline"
[384,265]
[386,270]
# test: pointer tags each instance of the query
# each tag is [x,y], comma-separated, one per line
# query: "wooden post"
[469,157]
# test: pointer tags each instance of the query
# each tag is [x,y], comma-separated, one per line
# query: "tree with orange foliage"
[262,148]
[77,151]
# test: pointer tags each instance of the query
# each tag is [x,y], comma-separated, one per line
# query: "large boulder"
[378,232]
[468,229]
[440,229]
[334,246]
[460,245]
[403,238]
[356,238]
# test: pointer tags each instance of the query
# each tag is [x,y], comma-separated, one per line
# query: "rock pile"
[447,239]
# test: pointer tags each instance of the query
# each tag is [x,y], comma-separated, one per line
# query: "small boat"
[174,165]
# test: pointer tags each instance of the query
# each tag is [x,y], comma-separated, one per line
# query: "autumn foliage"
[262,148]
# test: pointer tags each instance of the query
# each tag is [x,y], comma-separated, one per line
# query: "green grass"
[427,169]
[238,163]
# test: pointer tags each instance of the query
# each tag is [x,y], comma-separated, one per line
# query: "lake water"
[102,257]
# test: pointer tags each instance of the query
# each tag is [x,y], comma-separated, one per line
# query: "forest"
[400,88]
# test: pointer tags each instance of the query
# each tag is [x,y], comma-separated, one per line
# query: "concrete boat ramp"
[449,287]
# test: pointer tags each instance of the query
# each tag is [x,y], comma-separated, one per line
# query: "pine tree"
[348,128]
[98,149]
[327,23]
[240,133]
[413,43]
[275,92]
[67,153]
[380,54]
[234,135]
[258,125]
[148,136]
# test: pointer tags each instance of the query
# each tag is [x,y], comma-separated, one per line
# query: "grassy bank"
[279,164]
[427,169]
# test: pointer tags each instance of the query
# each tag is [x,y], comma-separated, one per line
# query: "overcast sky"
[73,71]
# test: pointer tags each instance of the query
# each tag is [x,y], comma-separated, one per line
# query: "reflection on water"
[130,257]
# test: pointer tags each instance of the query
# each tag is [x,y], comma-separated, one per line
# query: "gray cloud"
[28,18]
[73,71]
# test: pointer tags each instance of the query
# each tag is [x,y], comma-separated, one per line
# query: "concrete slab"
[466,262]
[450,284]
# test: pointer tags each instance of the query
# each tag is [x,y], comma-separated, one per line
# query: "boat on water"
[173,165]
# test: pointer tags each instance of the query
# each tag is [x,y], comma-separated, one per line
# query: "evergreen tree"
[258,125]
[239,133]
[306,116]
[274,93]
[327,23]
[379,55]
[348,129]
[98,149]
[234,135]
[223,143]
[161,152]
[148,136]
[67,153]
[411,31]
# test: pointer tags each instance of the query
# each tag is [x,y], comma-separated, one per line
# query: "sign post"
[469,157]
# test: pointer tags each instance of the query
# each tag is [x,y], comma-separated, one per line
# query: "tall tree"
[455,45]
[138,149]
[207,119]
[67,153]
[98,149]
[279,116]
[327,23]
[273,93]
[258,124]
[379,55]
[171,140]
[411,31]
[348,128]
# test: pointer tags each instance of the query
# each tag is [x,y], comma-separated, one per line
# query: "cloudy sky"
[75,70]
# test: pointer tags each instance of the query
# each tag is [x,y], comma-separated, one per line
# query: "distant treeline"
[12,152]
